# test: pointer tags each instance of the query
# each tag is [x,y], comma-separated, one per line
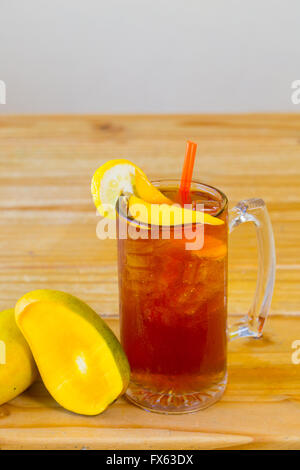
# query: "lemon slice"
[112,179]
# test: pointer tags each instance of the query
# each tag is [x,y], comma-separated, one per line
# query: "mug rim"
[176,182]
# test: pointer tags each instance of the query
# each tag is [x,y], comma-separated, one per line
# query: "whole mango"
[17,367]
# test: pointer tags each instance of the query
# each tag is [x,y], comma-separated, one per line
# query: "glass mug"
[173,302]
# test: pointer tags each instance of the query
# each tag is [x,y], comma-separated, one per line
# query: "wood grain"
[48,240]
[260,409]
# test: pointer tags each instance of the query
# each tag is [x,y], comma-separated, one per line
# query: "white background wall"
[111,56]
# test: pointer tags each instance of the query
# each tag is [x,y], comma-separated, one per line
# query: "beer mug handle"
[255,211]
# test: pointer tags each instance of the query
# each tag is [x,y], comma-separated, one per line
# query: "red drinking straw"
[187,171]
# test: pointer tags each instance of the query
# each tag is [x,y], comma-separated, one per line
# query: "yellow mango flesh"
[79,358]
[164,214]
[148,192]
[17,367]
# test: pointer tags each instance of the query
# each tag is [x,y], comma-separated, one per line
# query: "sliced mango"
[17,368]
[148,192]
[80,360]
[165,215]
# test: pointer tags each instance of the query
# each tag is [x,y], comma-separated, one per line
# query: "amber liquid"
[173,309]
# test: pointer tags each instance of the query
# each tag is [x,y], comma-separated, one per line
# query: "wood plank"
[260,408]
[48,240]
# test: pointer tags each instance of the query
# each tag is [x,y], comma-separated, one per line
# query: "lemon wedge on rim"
[112,179]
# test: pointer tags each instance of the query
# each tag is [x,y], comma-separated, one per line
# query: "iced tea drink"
[173,310]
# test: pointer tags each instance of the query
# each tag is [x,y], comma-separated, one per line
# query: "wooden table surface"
[48,240]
